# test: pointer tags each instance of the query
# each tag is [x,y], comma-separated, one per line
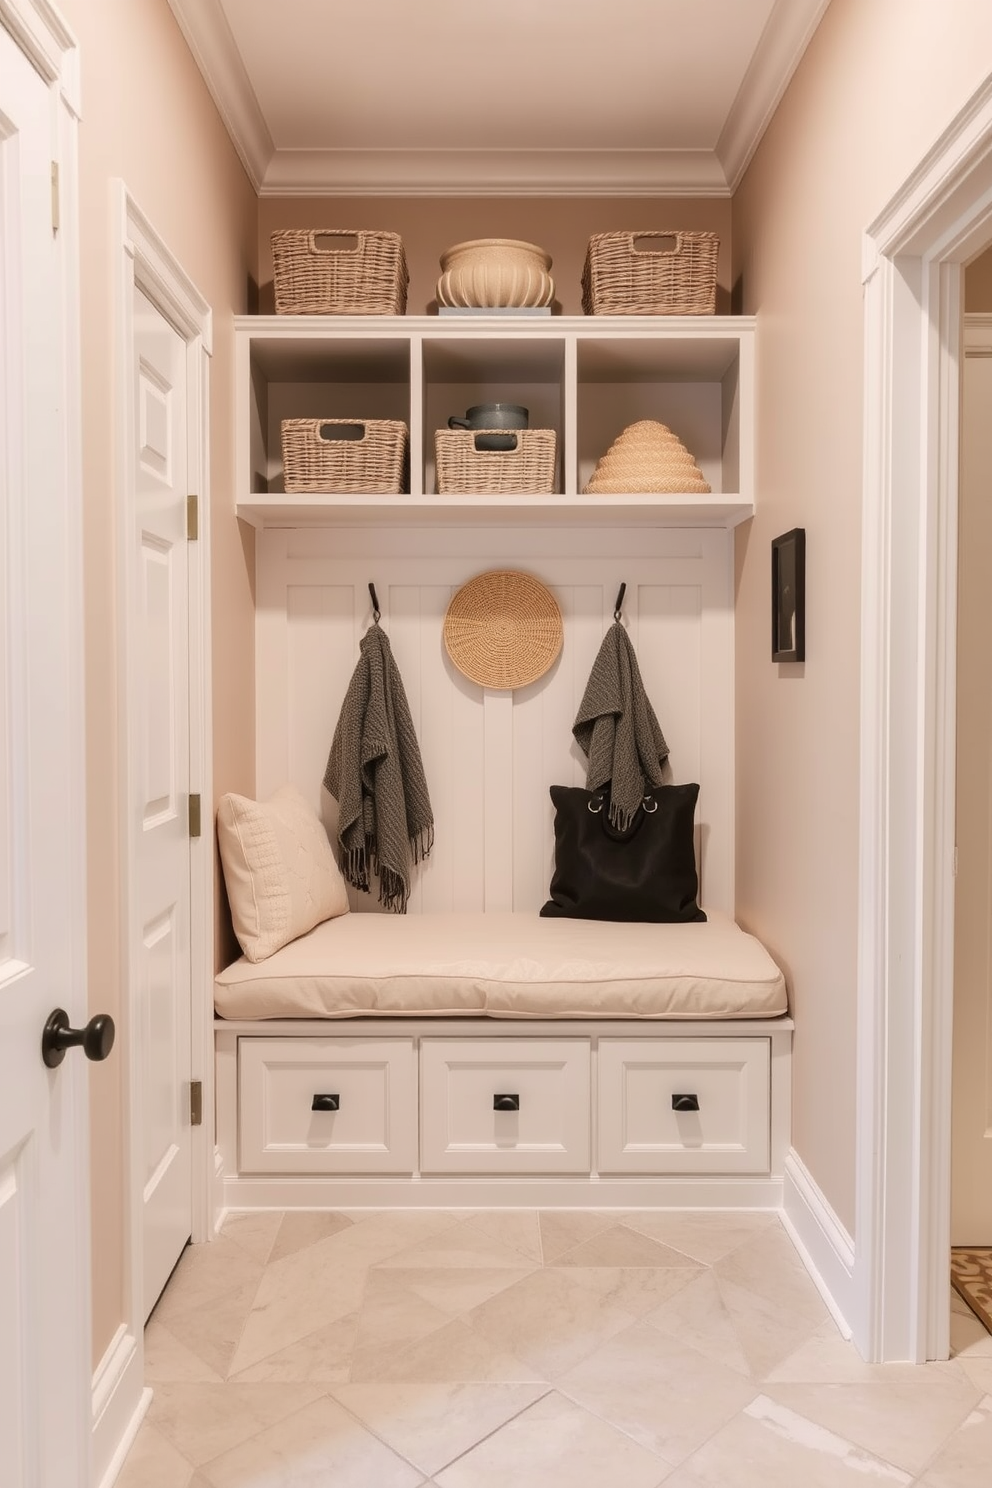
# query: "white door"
[971,1203]
[158,724]
[45,1368]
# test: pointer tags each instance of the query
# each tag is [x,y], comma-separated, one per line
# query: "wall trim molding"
[937,220]
[826,1247]
[44,37]
[119,1405]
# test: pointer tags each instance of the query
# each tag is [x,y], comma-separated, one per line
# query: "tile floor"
[535,1350]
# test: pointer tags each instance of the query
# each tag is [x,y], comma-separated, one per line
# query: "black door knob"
[97,1038]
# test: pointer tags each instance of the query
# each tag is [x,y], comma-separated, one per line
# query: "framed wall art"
[789,596]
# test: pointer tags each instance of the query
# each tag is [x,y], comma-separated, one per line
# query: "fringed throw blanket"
[617,729]
[375,773]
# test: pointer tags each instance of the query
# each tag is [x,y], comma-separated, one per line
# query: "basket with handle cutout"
[650,273]
[493,462]
[338,271]
[356,456]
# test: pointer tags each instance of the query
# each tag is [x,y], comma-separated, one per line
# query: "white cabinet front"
[504,1105]
[327,1105]
[684,1105]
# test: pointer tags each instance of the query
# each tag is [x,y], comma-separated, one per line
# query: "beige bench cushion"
[508,965]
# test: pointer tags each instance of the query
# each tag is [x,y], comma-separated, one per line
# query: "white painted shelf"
[586,377]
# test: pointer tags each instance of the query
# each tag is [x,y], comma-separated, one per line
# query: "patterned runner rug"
[971,1278]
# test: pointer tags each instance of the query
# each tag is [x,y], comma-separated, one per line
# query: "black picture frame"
[789,596]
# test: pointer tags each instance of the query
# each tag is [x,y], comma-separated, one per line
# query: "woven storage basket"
[314,275]
[325,455]
[503,629]
[464,469]
[677,279]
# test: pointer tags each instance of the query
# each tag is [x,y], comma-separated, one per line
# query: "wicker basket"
[364,456]
[364,275]
[465,469]
[678,278]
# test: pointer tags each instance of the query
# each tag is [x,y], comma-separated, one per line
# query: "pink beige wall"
[562,226]
[878,84]
[148,119]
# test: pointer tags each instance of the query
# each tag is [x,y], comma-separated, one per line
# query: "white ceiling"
[505,97]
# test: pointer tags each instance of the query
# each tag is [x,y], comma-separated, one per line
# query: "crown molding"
[786,36]
[494,173]
[208,36]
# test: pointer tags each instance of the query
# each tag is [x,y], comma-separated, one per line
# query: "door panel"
[159,723]
[971,1205]
[45,1379]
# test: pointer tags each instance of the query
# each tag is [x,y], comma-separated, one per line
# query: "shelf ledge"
[320,510]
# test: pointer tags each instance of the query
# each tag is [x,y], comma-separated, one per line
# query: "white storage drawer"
[327,1105]
[647,1090]
[504,1105]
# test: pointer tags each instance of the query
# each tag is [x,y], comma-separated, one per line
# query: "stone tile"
[564,1229]
[825,1358]
[392,1315]
[769,1266]
[549,1321]
[318,1446]
[297,1231]
[461,1244]
[903,1423]
[697,1316]
[768,1332]
[431,1425]
[969,1338]
[255,1233]
[555,1444]
[204,1273]
[704,1237]
[213,1330]
[620,1246]
[202,1421]
[321,1358]
[659,1392]
[637,1290]
[520,1229]
[153,1462]
[167,1360]
[455,1353]
[767,1446]
[298,1295]
[457,1289]
[965,1461]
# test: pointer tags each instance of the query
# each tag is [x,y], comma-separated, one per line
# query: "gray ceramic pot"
[492,416]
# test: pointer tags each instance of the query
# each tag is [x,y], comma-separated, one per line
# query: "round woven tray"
[503,629]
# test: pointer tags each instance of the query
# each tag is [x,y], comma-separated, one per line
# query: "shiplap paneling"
[491,756]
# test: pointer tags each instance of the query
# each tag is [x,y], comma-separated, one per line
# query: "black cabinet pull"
[506,1103]
[326,1103]
[685,1102]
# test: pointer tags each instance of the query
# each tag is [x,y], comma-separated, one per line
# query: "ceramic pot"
[495,273]
[491,416]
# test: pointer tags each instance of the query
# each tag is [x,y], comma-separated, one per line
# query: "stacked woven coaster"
[646,457]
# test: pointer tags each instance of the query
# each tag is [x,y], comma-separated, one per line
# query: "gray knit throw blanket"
[617,729]
[375,773]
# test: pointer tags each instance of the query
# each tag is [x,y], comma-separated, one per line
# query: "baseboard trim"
[826,1248]
[241,1194]
[120,1401]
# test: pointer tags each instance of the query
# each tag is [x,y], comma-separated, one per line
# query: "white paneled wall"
[491,756]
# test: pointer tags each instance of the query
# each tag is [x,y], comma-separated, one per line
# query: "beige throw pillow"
[280,872]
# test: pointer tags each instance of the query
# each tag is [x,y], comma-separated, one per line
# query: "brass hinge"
[192,518]
[194,816]
[196,1102]
[55,196]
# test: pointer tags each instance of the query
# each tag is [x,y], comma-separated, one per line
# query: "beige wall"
[978,285]
[878,84]
[561,226]
[148,119]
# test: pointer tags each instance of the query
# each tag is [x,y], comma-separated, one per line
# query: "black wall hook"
[618,607]
[375,603]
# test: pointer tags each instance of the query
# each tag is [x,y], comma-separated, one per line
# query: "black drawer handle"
[326,1103]
[685,1102]
[506,1103]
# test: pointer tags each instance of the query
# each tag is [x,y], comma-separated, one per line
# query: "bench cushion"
[508,965]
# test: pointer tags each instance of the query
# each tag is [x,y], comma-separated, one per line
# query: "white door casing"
[971,1116]
[167,621]
[158,720]
[45,1376]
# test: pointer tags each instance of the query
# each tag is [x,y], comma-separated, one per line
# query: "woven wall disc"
[503,629]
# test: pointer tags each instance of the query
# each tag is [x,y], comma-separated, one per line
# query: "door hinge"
[192,518]
[196,1102]
[194,816]
[55,196]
